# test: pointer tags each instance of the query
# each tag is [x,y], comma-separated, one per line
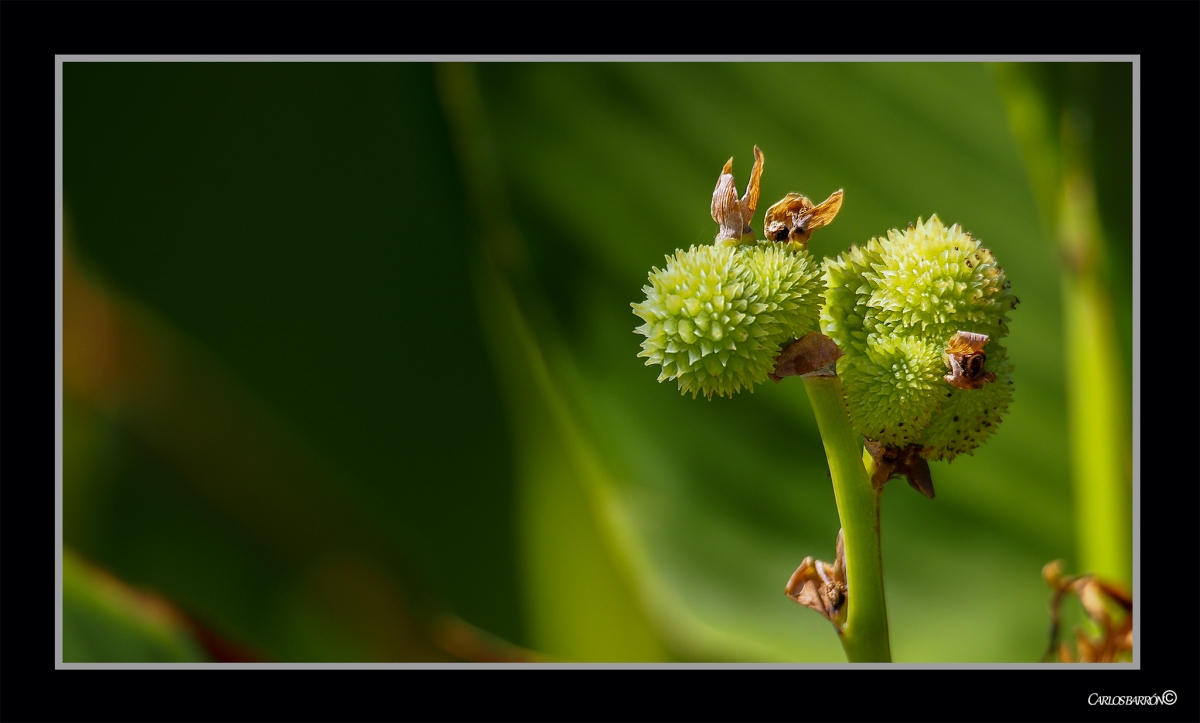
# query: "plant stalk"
[865,635]
[1100,439]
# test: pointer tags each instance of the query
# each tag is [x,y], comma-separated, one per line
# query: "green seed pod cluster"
[895,307]
[716,316]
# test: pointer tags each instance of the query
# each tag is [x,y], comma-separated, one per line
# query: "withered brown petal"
[750,198]
[823,213]
[810,598]
[919,477]
[885,463]
[1091,597]
[822,587]
[808,589]
[812,353]
[965,342]
[957,378]
[804,573]
[1117,593]
[965,357]
[907,462]
[1052,573]
[726,208]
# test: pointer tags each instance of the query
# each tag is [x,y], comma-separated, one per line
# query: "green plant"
[918,316]
[907,361]
[717,315]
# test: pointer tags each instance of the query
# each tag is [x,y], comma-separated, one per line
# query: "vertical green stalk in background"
[1099,437]
[1047,107]
[865,635]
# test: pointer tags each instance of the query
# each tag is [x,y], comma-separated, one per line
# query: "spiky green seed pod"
[894,306]
[969,416]
[716,316]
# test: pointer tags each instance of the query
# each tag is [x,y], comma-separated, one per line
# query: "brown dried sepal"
[731,213]
[965,358]
[812,353]
[822,587]
[906,462]
[1097,597]
[795,217]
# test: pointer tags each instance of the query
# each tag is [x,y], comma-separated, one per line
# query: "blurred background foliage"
[350,372]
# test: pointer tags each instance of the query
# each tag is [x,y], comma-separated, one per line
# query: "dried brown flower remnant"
[907,462]
[795,217]
[731,213]
[822,587]
[965,358]
[1099,599]
[814,352]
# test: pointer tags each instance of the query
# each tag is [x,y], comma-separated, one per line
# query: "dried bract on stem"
[906,462]
[822,587]
[810,354]
[1115,642]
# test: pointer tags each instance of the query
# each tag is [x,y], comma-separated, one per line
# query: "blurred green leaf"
[578,594]
[286,219]
[105,621]
[581,605]
[179,478]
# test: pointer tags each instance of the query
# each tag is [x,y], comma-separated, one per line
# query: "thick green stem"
[865,634]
